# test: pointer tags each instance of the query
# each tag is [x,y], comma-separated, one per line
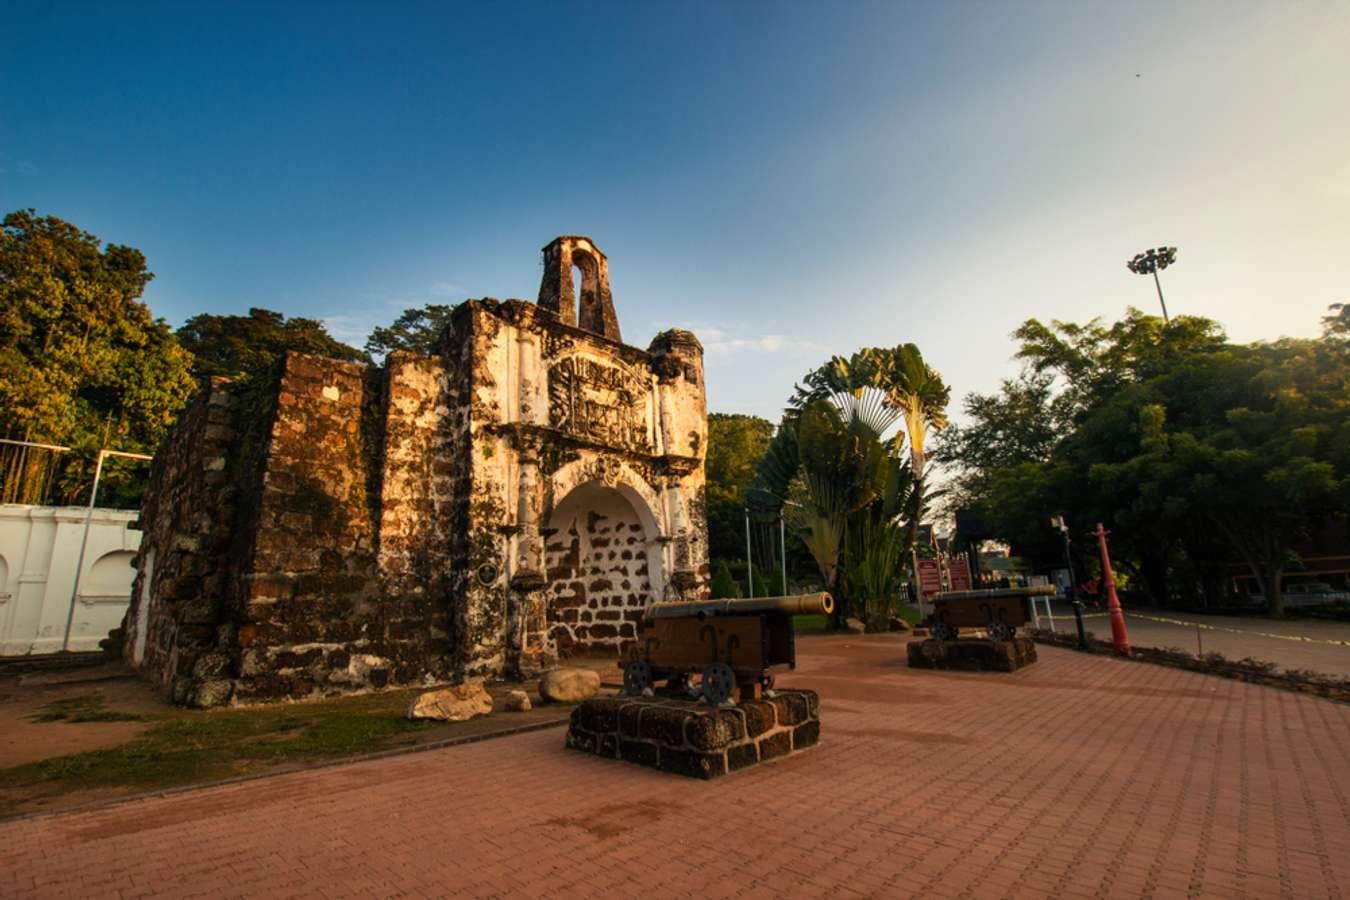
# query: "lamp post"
[1119,639]
[1149,263]
[749,558]
[1058,523]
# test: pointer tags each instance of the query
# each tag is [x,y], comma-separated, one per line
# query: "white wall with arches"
[39,551]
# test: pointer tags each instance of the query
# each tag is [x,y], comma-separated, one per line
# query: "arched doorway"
[603,558]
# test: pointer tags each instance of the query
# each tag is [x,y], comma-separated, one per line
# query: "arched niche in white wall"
[109,578]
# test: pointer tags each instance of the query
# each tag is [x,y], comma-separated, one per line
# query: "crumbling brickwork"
[598,572]
[524,493]
[184,577]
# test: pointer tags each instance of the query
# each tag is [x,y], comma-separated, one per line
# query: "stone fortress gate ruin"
[520,496]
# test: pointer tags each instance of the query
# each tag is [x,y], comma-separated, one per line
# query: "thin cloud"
[718,340]
[443,289]
[351,329]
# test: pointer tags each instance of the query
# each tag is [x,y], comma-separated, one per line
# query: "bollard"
[1078,616]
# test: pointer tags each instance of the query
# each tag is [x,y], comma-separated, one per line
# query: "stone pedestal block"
[690,738]
[972,655]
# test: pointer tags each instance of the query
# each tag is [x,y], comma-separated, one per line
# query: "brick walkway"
[1080,777]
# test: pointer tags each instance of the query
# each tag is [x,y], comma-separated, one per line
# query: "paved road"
[1083,776]
[1318,655]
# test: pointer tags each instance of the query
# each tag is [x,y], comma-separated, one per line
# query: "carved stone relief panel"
[599,400]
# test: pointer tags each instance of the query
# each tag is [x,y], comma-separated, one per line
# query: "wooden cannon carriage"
[1000,612]
[730,644]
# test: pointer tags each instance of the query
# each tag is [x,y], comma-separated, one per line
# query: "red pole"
[1119,638]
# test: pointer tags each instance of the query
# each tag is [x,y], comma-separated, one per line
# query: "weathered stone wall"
[188,516]
[319,616]
[423,509]
[557,409]
[477,342]
[352,528]
[312,562]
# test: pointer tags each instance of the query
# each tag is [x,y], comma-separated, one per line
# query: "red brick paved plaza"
[1079,777]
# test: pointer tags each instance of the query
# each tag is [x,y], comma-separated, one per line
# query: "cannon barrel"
[821,604]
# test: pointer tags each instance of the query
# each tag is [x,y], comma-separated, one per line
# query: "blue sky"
[789,180]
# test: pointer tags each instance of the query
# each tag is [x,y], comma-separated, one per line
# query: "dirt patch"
[613,819]
[63,697]
[19,745]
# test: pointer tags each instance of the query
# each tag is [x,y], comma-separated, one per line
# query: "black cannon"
[731,644]
[1000,612]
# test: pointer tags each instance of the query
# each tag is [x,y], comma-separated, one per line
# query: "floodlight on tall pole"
[1150,262]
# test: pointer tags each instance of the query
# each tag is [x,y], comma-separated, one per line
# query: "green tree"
[1023,422]
[416,331]
[735,444]
[1336,324]
[915,389]
[723,584]
[1197,452]
[242,346]
[1270,466]
[82,361]
[825,472]
[1095,361]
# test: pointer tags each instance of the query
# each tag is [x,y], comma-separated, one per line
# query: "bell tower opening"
[578,282]
[575,286]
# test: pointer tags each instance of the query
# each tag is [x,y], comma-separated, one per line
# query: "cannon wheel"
[997,631]
[637,677]
[718,683]
[941,631]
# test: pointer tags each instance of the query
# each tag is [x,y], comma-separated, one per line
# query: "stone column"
[683,576]
[528,581]
[527,357]
[664,387]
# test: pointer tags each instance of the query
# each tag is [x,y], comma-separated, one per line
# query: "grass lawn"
[181,747]
[810,624]
[203,746]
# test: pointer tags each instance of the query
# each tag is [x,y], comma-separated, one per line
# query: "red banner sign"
[930,577]
[958,570]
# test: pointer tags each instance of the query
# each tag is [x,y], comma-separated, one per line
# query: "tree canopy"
[415,330]
[82,361]
[240,346]
[836,468]
[735,444]
[1197,452]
